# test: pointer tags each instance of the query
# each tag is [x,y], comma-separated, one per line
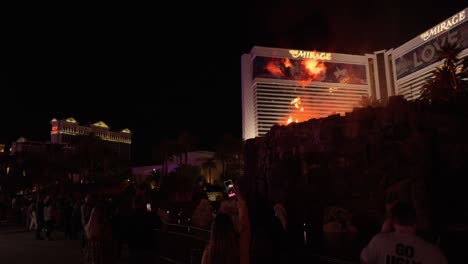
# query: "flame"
[304,72]
[274,69]
[296,102]
[345,80]
[314,68]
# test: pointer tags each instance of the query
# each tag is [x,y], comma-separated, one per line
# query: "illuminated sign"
[446,25]
[428,53]
[54,128]
[310,55]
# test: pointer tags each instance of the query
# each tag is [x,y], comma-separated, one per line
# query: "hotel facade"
[280,86]
[63,132]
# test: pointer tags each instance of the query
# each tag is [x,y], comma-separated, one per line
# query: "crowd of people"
[103,225]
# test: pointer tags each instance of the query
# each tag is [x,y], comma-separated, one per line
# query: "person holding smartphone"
[229,244]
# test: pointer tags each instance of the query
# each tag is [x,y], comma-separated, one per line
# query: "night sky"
[161,70]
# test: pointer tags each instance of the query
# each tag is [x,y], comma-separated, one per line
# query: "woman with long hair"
[98,238]
[229,244]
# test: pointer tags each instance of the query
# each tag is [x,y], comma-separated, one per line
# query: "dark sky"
[160,70]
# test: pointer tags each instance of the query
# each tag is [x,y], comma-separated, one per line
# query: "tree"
[162,153]
[449,82]
[449,53]
[209,165]
[182,180]
[438,88]
[185,143]
[370,101]
[229,154]
[95,159]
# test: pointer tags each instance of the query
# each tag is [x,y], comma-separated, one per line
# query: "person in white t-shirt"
[402,245]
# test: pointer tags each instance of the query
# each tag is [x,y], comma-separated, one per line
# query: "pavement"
[18,246]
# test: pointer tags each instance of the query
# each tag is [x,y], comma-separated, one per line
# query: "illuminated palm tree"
[209,165]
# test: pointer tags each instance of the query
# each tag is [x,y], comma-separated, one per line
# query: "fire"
[303,72]
[300,115]
[287,63]
[296,102]
[314,68]
[274,69]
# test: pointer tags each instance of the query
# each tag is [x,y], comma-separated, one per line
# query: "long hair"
[224,241]
[97,224]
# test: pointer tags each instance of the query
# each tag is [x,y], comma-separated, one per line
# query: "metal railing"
[190,241]
[182,243]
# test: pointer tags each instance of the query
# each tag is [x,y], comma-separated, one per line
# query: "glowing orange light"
[311,68]
[296,102]
[274,69]
[287,63]
[54,128]
[314,67]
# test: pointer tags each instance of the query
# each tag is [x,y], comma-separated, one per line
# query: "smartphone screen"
[229,185]
[148,207]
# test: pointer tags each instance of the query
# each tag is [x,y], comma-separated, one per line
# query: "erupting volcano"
[305,72]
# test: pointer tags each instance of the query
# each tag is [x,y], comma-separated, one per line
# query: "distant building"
[194,158]
[282,86]
[24,145]
[63,132]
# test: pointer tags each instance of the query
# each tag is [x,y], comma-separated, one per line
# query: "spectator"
[39,217]
[280,213]
[49,217]
[269,238]
[402,245]
[203,214]
[99,247]
[33,222]
[228,245]
[141,236]
[85,212]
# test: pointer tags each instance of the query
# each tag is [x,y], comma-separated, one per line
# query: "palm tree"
[229,153]
[445,85]
[438,88]
[185,143]
[163,153]
[449,53]
[209,165]
[86,150]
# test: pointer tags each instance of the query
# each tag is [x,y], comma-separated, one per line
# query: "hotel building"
[280,86]
[414,61]
[63,132]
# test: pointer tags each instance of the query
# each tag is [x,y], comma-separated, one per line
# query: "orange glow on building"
[274,69]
